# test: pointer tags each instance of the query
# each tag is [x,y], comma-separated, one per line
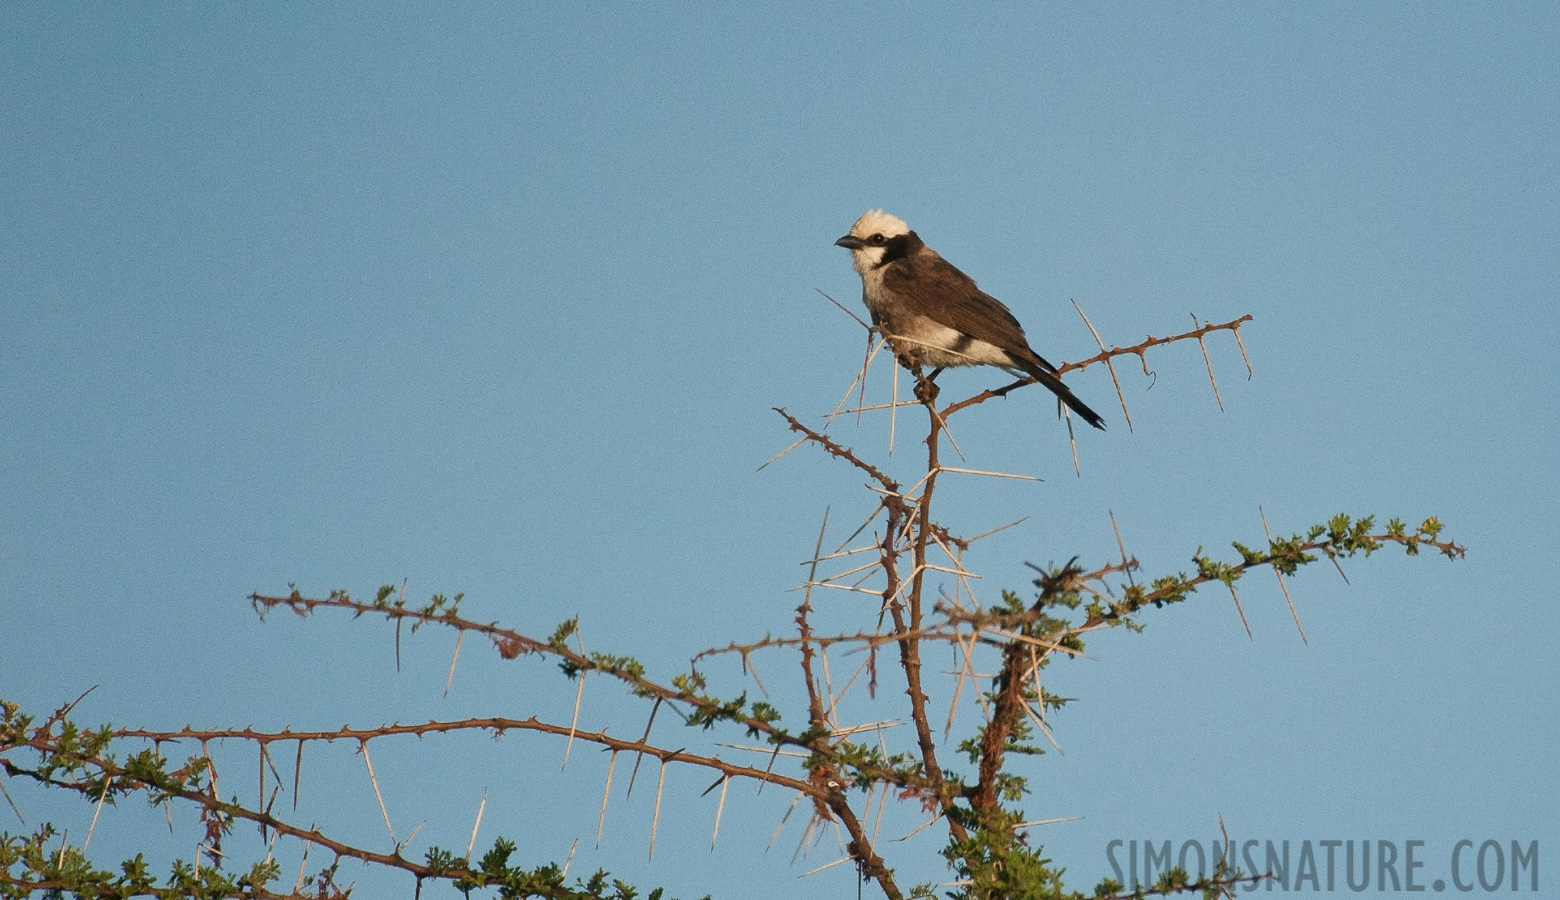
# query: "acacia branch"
[1008,707]
[173,786]
[829,797]
[909,643]
[497,725]
[1345,538]
[1105,356]
[511,644]
[845,453]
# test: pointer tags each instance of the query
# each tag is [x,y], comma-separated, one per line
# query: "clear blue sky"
[497,300]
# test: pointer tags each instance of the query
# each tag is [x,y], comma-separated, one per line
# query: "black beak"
[850,242]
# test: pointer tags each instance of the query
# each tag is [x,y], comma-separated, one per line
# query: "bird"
[925,305]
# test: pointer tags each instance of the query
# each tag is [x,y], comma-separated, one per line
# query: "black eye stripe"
[895,248]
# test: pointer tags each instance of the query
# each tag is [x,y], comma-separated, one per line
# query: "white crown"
[876,221]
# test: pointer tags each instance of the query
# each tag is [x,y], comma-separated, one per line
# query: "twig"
[14,807]
[843,859]
[1072,441]
[297,773]
[1121,545]
[655,820]
[459,636]
[402,846]
[302,864]
[1280,575]
[1055,821]
[918,829]
[363,745]
[1120,395]
[751,668]
[997,529]
[845,310]
[1244,358]
[782,453]
[877,827]
[471,845]
[860,379]
[719,809]
[62,712]
[401,602]
[1236,597]
[795,800]
[893,411]
[1209,363]
[989,474]
[606,791]
[650,723]
[103,795]
[570,859]
[1105,356]
[958,687]
[579,697]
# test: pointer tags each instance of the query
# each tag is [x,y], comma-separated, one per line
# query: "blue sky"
[498,300]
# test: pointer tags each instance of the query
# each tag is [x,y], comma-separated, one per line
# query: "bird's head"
[869,236]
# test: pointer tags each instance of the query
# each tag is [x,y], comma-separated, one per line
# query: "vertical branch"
[1010,703]
[1005,712]
[816,714]
[908,629]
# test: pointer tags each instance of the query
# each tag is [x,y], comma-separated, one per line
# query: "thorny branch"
[512,644]
[986,843]
[1140,350]
[1023,638]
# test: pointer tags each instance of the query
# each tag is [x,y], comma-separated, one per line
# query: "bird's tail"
[1065,394]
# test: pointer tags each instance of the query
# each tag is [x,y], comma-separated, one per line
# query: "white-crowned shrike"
[935,312]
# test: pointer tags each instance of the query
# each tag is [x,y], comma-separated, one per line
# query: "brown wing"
[936,289]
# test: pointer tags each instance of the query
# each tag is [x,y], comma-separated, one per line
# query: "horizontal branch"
[112,772]
[1150,342]
[511,644]
[1104,356]
[1345,537]
[65,767]
[497,725]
